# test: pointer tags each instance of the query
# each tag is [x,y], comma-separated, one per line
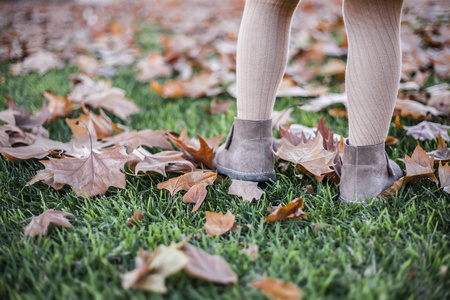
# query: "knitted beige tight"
[262,55]
[373,67]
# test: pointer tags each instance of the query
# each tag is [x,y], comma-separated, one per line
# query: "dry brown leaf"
[427,131]
[390,141]
[17,116]
[324,101]
[277,290]
[419,166]
[197,195]
[218,223]
[218,106]
[101,94]
[41,62]
[414,110]
[25,153]
[444,177]
[39,224]
[88,176]
[338,112]
[310,157]
[202,153]
[170,89]
[153,66]
[137,138]
[58,107]
[251,250]
[281,118]
[248,190]
[441,101]
[443,151]
[308,189]
[137,217]
[208,267]
[151,271]
[186,181]
[161,162]
[292,210]
[333,67]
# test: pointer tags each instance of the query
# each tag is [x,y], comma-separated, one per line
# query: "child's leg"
[262,55]
[261,61]
[373,67]
[373,74]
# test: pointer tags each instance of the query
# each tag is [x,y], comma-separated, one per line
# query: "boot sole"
[257,177]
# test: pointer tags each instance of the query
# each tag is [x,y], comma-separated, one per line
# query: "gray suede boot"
[366,172]
[247,153]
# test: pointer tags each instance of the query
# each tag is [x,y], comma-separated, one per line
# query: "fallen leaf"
[419,166]
[292,210]
[197,195]
[333,67]
[308,189]
[161,162]
[89,176]
[218,223]
[137,217]
[137,138]
[427,131]
[186,181]
[248,190]
[324,101]
[39,224]
[414,110]
[151,271]
[310,157]
[58,107]
[444,177]
[251,250]
[443,151]
[101,94]
[441,101]
[338,112]
[208,267]
[203,153]
[277,290]
[390,141]
[218,106]
[153,66]
[19,117]
[170,89]
[281,118]
[41,62]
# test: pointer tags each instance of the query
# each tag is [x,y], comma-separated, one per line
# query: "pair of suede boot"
[247,155]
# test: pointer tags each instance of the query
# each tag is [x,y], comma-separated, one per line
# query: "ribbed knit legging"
[373,66]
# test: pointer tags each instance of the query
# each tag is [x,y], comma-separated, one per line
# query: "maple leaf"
[4,139]
[186,181]
[427,131]
[170,89]
[161,162]
[41,62]
[89,176]
[444,177]
[153,66]
[443,152]
[101,94]
[218,223]
[218,106]
[281,118]
[310,157]
[196,194]
[441,101]
[152,270]
[419,166]
[251,250]
[58,106]
[39,224]
[324,101]
[18,117]
[136,138]
[278,290]
[208,267]
[292,210]
[289,88]
[390,141]
[137,217]
[414,110]
[202,153]
[295,139]
[248,190]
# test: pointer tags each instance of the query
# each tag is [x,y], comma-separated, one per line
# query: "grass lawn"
[385,250]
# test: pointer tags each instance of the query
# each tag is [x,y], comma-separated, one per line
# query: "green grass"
[385,250]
